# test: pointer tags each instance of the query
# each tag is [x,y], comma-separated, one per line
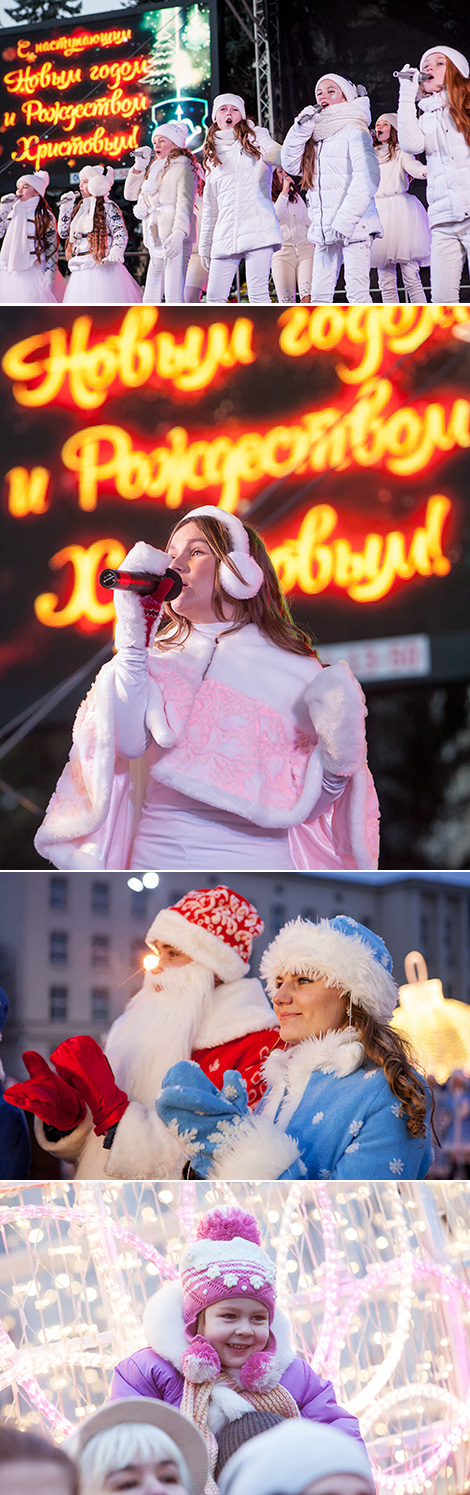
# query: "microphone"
[163,588]
[407,72]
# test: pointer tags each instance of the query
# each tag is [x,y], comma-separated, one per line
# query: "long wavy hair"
[387,1048]
[98,238]
[243,131]
[392,142]
[268,610]
[42,222]
[307,165]
[178,150]
[458,89]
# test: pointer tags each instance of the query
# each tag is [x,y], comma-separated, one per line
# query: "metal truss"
[260,23]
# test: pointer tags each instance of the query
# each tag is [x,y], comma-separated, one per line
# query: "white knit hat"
[340,952]
[457,58]
[174,131]
[291,1457]
[349,89]
[251,573]
[215,926]
[390,119]
[37,179]
[229,98]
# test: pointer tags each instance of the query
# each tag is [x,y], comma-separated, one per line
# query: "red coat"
[246,1054]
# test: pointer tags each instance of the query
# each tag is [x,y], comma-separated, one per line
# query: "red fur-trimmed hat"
[214,926]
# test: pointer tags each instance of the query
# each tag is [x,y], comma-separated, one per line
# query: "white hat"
[153,1413]
[291,1456]
[245,563]
[390,119]
[457,58]
[349,89]
[37,179]
[89,170]
[229,98]
[172,130]
[215,926]
[101,181]
[340,952]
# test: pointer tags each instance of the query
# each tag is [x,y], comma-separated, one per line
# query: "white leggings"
[326,267]
[387,278]
[257,266]
[167,277]
[450,247]
[196,279]
[291,267]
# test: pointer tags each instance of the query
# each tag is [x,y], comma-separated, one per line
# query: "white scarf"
[151,186]
[83,221]
[18,252]
[158,1028]
[337,116]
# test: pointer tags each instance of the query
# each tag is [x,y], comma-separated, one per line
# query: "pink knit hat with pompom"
[226,1261]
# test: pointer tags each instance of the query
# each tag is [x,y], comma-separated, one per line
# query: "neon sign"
[397,330]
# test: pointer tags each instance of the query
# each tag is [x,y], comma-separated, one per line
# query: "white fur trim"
[142,1147]
[205,948]
[324,954]
[287,1072]
[260,1150]
[69,1147]
[226,1405]
[237,1008]
[337,707]
[163,1326]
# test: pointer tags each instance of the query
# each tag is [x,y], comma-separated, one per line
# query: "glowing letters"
[398,329]
[311,564]
[83,603]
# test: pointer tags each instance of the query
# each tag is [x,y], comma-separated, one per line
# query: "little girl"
[164,190]
[28,257]
[292,264]
[407,239]
[219,1348]
[443,132]
[96,237]
[331,146]
[238,217]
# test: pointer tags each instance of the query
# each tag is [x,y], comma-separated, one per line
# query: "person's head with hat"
[229,122]
[335,977]
[139,1444]
[299,1459]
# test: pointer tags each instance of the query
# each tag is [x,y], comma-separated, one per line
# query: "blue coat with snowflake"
[326,1114]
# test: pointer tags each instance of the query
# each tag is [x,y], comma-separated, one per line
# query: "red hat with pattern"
[214,926]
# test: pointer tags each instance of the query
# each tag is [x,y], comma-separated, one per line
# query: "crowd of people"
[335,194]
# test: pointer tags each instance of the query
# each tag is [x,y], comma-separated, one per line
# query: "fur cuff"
[338,710]
[260,1150]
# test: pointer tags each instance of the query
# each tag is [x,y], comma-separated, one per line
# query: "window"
[277,917]
[139,904]
[99,950]
[100,1004]
[100,897]
[58,1001]
[58,891]
[58,947]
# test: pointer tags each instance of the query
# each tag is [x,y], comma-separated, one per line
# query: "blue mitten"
[197,1114]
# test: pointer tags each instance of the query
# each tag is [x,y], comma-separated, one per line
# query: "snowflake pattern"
[230,1092]
[396,1165]
[396,1108]
[186,1139]
[317,1118]
[224,1129]
[353,1147]
[355,1127]
[324,1172]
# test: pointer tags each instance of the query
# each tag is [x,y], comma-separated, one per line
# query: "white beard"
[158,1028]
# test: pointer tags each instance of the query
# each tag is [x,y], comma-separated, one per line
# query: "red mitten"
[82,1063]
[48,1096]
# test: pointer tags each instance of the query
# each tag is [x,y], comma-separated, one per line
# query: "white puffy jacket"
[237,208]
[447,155]
[164,201]
[341,203]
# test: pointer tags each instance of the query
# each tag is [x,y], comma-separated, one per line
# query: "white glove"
[173,244]
[409,86]
[338,710]
[131,629]
[307,116]
[68,197]
[142,156]
[205,261]
[115,256]
[9,198]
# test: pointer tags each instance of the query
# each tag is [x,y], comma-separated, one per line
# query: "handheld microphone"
[166,587]
[407,72]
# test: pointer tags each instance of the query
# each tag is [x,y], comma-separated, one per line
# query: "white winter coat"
[447,155]
[294,220]
[164,201]
[396,171]
[341,203]
[237,208]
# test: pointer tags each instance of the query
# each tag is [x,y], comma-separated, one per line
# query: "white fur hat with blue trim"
[340,952]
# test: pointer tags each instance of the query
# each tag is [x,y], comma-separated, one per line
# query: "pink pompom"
[226,1224]
[200,1362]
[261,1372]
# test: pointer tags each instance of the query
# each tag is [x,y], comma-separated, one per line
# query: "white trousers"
[450,247]
[326,267]
[412,282]
[257,266]
[167,278]
[292,267]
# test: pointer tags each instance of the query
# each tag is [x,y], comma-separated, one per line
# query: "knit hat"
[172,130]
[240,1430]
[457,58]
[390,119]
[37,179]
[349,89]
[229,98]
[215,926]
[340,952]
[293,1456]
[153,1413]
[225,1261]
[251,573]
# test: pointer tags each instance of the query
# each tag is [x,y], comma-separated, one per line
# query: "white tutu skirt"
[407,235]
[25,288]
[97,284]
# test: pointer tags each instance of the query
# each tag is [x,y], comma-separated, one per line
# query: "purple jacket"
[147,1374]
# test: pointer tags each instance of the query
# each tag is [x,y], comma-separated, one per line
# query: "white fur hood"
[164,1327]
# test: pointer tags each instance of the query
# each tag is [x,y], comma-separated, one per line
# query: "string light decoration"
[375,1278]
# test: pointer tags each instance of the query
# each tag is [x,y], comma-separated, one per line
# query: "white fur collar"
[334,1053]
[164,1327]
[237,1008]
